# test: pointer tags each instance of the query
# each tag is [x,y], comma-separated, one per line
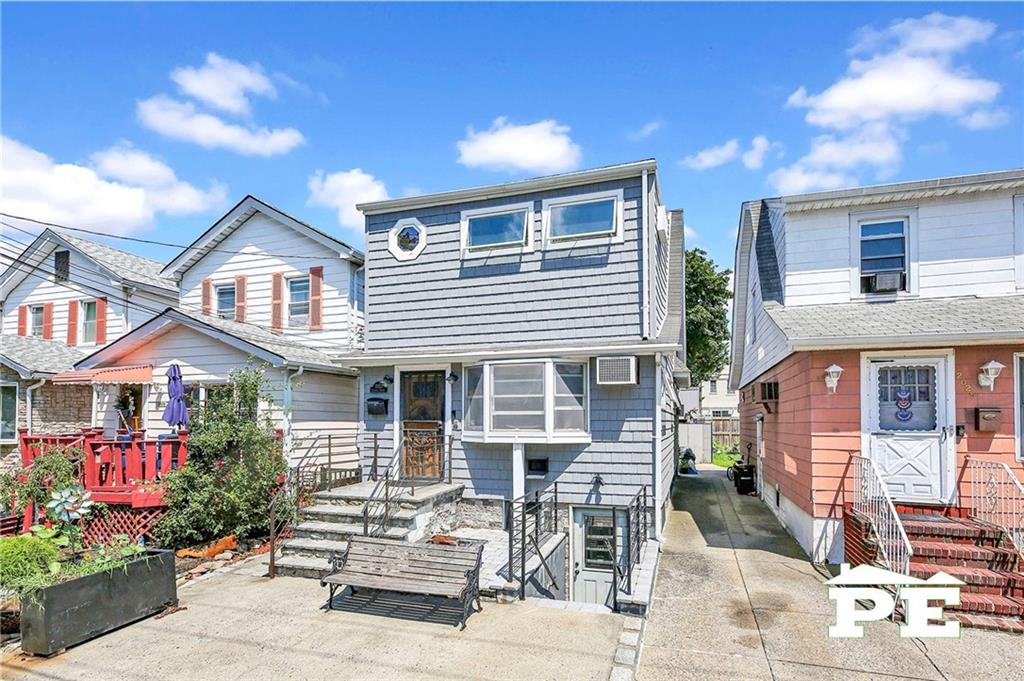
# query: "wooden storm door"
[422,424]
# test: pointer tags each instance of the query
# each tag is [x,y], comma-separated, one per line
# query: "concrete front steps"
[978,554]
[324,527]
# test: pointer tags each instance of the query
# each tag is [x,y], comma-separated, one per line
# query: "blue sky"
[152,120]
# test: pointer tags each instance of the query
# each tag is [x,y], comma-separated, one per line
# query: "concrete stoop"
[325,526]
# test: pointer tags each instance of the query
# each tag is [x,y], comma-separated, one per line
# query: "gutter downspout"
[288,439]
[28,403]
[645,328]
[655,447]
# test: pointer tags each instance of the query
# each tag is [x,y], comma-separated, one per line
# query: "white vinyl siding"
[258,249]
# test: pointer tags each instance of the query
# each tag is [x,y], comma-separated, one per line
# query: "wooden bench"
[422,569]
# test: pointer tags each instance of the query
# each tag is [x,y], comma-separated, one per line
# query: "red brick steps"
[979,580]
[966,555]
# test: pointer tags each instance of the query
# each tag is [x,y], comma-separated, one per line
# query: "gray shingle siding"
[440,299]
[621,450]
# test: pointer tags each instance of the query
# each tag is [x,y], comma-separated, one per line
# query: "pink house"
[879,354]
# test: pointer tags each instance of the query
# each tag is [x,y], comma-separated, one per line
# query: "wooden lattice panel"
[134,522]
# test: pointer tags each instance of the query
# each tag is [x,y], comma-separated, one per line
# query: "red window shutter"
[72,322]
[23,320]
[207,296]
[101,321]
[240,297]
[48,321]
[277,302]
[316,298]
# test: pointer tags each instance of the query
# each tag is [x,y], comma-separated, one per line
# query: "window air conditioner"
[617,371]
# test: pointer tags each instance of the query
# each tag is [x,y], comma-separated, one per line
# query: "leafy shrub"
[25,559]
[57,468]
[233,469]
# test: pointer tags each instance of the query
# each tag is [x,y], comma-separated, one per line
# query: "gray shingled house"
[529,335]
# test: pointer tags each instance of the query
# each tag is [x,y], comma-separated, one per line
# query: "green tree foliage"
[707,321]
[234,465]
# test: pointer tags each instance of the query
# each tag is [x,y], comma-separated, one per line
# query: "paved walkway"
[239,625]
[736,598]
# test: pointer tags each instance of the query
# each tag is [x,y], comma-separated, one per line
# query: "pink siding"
[810,437]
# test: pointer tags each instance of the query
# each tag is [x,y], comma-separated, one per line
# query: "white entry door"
[593,574]
[910,437]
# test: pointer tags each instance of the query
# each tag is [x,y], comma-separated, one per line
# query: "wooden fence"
[725,432]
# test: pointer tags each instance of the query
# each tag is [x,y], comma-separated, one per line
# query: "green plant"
[707,320]
[119,550]
[234,465]
[25,560]
[57,468]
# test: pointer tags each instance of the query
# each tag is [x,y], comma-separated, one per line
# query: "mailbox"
[377,406]
[987,419]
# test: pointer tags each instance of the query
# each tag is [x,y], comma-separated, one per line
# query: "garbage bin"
[743,477]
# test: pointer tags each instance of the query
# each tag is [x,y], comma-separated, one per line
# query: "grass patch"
[725,459]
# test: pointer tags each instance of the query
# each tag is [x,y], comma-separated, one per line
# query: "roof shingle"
[38,356]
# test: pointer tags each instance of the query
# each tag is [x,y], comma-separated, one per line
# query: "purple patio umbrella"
[176,412]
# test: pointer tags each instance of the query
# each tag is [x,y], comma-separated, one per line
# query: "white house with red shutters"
[63,297]
[258,286]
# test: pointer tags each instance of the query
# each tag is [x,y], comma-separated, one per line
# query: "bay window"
[537,400]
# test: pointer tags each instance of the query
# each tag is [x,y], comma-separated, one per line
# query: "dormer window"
[497,231]
[883,256]
[226,301]
[583,220]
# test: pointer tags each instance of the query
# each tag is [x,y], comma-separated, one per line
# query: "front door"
[910,438]
[422,424]
[593,563]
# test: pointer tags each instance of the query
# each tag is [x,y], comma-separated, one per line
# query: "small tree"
[233,469]
[707,316]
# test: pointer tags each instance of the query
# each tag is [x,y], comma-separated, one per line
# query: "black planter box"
[69,613]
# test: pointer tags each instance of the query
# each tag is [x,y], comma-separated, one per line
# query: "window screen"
[61,266]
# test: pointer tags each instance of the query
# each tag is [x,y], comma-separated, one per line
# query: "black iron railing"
[637,530]
[530,521]
[382,503]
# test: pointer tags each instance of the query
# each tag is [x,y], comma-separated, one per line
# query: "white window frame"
[549,434]
[309,300]
[17,397]
[393,233]
[910,238]
[31,320]
[1018,411]
[1018,239]
[613,236]
[81,321]
[525,245]
[216,299]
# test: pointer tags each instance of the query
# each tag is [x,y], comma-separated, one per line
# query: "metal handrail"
[996,497]
[637,531]
[378,509]
[530,521]
[871,499]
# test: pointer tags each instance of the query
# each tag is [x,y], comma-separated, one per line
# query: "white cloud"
[753,159]
[689,233]
[644,131]
[121,192]
[342,190]
[907,72]
[543,147]
[223,83]
[984,119]
[712,157]
[180,120]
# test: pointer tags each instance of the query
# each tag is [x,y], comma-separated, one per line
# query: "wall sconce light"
[387,379]
[832,375]
[452,377]
[989,373]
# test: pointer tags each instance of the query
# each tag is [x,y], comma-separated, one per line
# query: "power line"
[202,249]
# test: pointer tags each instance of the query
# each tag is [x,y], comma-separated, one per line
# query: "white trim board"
[1018,408]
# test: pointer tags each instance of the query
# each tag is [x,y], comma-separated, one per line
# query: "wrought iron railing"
[870,499]
[995,496]
[637,531]
[382,503]
[530,521]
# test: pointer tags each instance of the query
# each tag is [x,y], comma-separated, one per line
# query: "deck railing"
[995,496]
[871,499]
[530,521]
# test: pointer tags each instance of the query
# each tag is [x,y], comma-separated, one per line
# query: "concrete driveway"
[736,598]
[239,625]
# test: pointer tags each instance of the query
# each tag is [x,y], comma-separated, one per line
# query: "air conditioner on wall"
[618,370]
[885,282]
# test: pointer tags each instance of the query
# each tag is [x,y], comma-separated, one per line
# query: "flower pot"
[81,609]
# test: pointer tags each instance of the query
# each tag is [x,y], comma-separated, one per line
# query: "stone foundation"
[482,513]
